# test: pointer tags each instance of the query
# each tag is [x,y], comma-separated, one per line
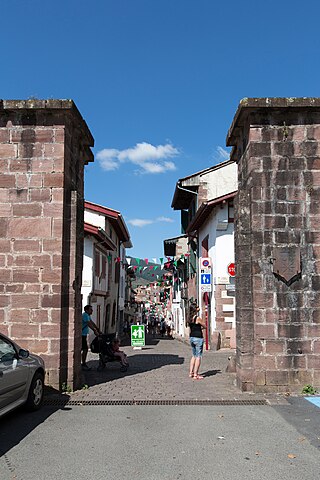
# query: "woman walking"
[196,325]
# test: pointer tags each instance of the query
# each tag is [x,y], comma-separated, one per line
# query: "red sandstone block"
[5,210]
[18,195]
[260,378]
[53,210]
[300,377]
[263,300]
[265,362]
[3,227]
[298,134]
[57,228]
[313,330]
[36,346]
[54,150]
[59,135]
[55,314]
[274,377]
[28,181]
[25,301]
[40,195]
[316,347]
[7,181]
[5,245]
[15,288]
[26,246]
[27,210]
[275,346]
[52,245]
[2,260]
[264,331]
[296,193]
[39,315]
[51,276]
[4,300]
[51,301]
[21,165]
[8,150]
[52,363]
[53,180]
[24,330]
[313,361]
[4,165]
[42,165]
[50,331]
[313,163]
[5,275]
[19,315]
[26,275]
[33,288]
[57,195]
[255,134]
[43,260]
[29,227]
[44,135]
[4,135]
[316,315]
[284,362]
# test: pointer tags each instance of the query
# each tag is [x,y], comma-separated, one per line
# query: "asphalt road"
[162,443]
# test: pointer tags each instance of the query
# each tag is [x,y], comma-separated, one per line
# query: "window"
[97,264]
[231,211]
[7,351]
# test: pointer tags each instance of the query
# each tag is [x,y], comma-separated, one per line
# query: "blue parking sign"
[205,278]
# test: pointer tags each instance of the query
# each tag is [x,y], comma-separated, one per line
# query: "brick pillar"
[44,145]
[277,146]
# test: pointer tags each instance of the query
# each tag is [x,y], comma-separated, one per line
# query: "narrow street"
[82,440]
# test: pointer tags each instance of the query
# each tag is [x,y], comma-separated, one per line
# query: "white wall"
[222,181]
[221,252]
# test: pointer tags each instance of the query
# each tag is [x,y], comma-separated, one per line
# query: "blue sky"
[158,83]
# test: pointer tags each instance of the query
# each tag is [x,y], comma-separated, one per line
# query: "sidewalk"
[160,372]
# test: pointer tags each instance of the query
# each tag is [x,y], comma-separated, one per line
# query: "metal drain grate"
[64,402]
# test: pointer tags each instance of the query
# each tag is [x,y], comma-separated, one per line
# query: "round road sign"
[232,269]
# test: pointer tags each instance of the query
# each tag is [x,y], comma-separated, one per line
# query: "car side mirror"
[23,353]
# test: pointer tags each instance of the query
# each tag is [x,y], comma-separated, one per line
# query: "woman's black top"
[195,329]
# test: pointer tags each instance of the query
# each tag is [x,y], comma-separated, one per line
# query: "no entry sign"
[232,269]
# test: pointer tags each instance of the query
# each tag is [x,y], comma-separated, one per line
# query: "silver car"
[21,377]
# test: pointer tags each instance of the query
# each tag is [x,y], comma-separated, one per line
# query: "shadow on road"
[139,363]
[211,373]
[18,424]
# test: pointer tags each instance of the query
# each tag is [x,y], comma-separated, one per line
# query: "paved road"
[160,372]
[143,442]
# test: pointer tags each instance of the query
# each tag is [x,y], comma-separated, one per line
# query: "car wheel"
[36,390]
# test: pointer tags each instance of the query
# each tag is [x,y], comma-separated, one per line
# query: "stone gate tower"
[277,146]
[44,145]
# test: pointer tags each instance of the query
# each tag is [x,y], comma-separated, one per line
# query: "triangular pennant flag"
[175,263]
[151,267]
[135,267]
[138,261]
[161,260]
[128,260]
[146,260]
[154,260]
[145,268]
[155,267]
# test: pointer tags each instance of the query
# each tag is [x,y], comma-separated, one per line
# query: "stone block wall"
[44,146]
[277,147]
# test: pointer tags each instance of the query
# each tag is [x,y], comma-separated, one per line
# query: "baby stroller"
[102,344]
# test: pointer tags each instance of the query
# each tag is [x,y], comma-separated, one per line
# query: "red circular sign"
[232,269]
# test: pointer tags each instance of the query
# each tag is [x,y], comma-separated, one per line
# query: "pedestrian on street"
[196,325]
[86,324]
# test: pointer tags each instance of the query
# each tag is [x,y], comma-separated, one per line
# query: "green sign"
[137,336]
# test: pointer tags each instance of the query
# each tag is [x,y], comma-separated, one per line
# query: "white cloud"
[165,219]
[221,154]
[140,222]
[150,158]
